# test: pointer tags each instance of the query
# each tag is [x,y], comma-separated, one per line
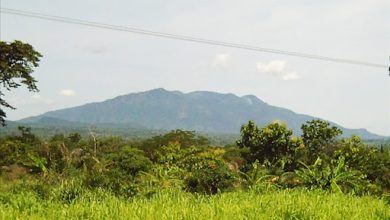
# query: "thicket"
[69,165]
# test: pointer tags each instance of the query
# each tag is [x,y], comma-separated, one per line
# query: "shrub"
[129,161]
[117,172]
[209,176]
[160,177]
[12,152]
[176,137]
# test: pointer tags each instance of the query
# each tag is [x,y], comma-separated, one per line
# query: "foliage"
[118,171]
[183,138]
[255,175]
[265,159]
[11,152]
[209,175]
[335,176]
[357,155]
[129,161]
[317,134]
[36,164]
[273,143]
[160,177]
[17,60]
[204,171]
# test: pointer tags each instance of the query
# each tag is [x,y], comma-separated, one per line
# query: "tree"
[74,137]
[316,134]
[17,60]
[273,143]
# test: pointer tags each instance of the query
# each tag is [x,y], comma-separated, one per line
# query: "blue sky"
[83,64]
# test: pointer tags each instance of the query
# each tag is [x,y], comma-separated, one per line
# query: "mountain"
[200,111]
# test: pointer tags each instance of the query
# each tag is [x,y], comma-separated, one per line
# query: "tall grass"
[258,203]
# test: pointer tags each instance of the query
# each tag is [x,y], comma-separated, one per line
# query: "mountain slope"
[200,111]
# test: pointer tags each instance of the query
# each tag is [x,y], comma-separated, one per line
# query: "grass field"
[252,204]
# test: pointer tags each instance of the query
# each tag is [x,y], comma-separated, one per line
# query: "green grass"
[260,204]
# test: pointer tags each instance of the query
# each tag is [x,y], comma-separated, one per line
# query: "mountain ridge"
[199,110]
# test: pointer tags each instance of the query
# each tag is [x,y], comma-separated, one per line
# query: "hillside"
[200,111]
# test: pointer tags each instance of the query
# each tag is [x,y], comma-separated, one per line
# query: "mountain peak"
[157,90]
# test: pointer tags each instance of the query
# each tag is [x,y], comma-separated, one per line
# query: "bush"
[130,161]
[117,172]
[161,177]
[210,176]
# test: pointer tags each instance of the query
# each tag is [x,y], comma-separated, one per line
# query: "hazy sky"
[83,64]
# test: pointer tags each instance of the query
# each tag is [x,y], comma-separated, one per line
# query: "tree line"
[262,156]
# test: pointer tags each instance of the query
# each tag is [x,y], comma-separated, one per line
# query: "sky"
[85,64]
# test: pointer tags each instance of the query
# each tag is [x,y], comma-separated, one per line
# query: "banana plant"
[335,176]
[36,163]
[255,176]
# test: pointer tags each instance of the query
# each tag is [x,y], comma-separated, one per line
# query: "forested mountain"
[200,111]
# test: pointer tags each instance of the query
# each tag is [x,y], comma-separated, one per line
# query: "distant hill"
[199,111]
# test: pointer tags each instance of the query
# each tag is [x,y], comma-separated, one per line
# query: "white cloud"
[221,60]
[67,92]
[273,67]
[277,68]
[291,76]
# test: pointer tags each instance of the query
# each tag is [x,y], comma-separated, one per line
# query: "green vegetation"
[268,173]
[252,204]
[49,129]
